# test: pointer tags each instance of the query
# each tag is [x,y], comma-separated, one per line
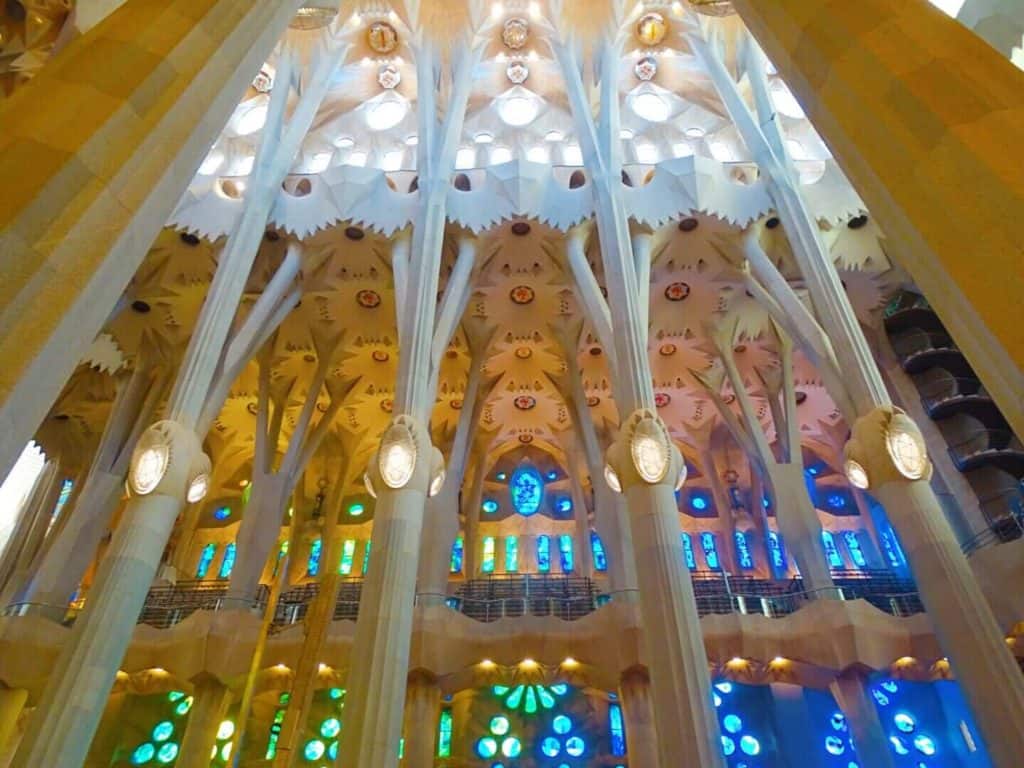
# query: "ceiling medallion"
[523,353]
[456,404]
[677,291]
[525,402]
[368,299]
[593,401]
[729,399]
[263,82]
[526,439]
[517,72]
[651,29]
[713,7]
[667,349]
[731,476]
[661,399]
[387,405]
[646,68]
[521,294]
[381,37]
[380,356]
[515,33]
[388,76]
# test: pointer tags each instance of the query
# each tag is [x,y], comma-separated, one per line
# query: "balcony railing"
[565,597]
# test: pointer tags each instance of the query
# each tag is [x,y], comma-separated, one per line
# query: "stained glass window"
[617,729]
[743,553]
[893,552]
[275,726]
[597,548]
[544,554]
[777,552]
[281,552]
[65,493]
[444,733]
[527,489]
[565,552]
[487,566]
[835,560]
[457,555]
[511,554]
[313,564]
[366,556]
[228,563]
[691,559]
[348,556]
[707,543]
[852,541]
[205,559]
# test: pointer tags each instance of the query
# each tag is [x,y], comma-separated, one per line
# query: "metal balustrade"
[565,597]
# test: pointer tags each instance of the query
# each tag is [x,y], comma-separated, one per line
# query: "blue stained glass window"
[893,552]
[597,548]
[856,552]
[348,556]
[487,566]
[313,564]
[835,560]
[698,501]
[691,559]
[457,555]
[707,543]
[544,554]
[743,553]
[222,513]
[228,563]
[65,493]
[511,554]
[527,489]
[777,551]
[490,506]
[564,504]
[205,559]
[618,731]
[565,552]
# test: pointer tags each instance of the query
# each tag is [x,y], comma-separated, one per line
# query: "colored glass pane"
[511,554]
[348,556]
[313,564]
[228,563]
[205,559]
[527,490]
[691,559]
[597,548]
[543,554]
[777,552]
[366,556]
[444,734]
[487,566]
[743,553]
[163,731]
[708,544]
[143,754]
[314,749]
[565,552]
[852,541]
[835,560]
[617,730]
[457,555]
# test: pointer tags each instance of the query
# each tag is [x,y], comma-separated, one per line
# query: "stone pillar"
[967,630]
[422,711]
[107,734]
[641,734]
[72,702]
[462,726]
[851,693]
[471,515]
[209,708]
[27,536]
[85,197]
[584,554]
[12,701]
[896,117]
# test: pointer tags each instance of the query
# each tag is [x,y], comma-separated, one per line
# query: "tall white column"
[211,699]
[422,710]
[641,733]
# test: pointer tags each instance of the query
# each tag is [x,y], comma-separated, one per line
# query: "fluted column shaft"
[209,708]
[422,710]
[641,733]
[851,693]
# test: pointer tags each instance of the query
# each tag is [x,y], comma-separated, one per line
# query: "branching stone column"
[891,107]
[406,466]
[641,733]
[851,693]
[211,699]
[884,453]
[647,465]
[113,162]
[422,710]
[66,562]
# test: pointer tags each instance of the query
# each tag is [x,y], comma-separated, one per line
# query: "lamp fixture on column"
[437,472]
[368,482]
[198,488]
[651,450]
[681,477]
[150,462]
[906,447]
[856,474]
[612,478]
[396,460]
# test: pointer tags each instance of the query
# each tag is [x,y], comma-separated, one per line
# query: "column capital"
[643,454]
[168,460]
[885,446]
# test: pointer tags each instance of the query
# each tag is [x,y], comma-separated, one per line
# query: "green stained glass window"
[487,566]
[366,556]
[511,554]
[444,733]
[348,554]
[205,558]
